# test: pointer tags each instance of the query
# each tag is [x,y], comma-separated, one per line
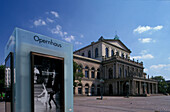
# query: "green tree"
[77,75]
[162,85]
[2,76]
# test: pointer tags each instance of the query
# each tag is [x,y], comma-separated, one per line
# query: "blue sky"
[143,26]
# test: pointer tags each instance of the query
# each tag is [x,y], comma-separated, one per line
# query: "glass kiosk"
[40,70]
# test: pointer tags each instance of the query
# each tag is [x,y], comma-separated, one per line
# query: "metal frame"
[11,57]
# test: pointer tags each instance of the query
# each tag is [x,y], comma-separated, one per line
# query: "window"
[79,88]
[120,72]
[112,53]
[80,69]
[92,72]
[96,53]
[82,54]
[122,55]
[125,75]
[87,72]
[107,52]
[86,89]
[110,73]
[89,54]
[126,56]
[117,53]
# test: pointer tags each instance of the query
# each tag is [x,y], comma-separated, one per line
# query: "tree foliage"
[162,85]
[77,74]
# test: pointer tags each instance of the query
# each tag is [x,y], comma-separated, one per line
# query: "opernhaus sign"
[50,42]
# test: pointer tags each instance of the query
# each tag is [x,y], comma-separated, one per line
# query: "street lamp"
[102,82]
[127,87]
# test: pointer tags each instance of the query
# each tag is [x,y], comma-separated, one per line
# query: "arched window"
[87,72]
[82,54]
[98,74]
[112,53]
[80,69]
[107,52]
[122,55]
[110,73]
[92,89]
[96,53]
[117,53]
[89,54]
[92,72]
[87,89]
[80,88]
[120,72]
[126,56]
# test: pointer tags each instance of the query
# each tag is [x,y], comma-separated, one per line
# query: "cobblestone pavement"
[121,104]
[118,104]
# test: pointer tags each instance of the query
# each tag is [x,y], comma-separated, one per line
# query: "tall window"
[112,53]
[122,55]
[80,69]
[126,56]
[79,88]
[110,73]
[96,53]
[92,72]
[89,54]
[125,75]
[117,53]
[120,72]
[107,52]
[87,72]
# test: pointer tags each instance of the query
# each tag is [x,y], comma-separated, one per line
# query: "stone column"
[89,91]
[83,71]
[89,73]
[119,88]
[76,90]
[113,72]
[83,90]
[133,87]
[95,74]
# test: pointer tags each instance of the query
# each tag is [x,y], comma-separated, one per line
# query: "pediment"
[118,44]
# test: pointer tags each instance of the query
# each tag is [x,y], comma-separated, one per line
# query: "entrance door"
[47,83]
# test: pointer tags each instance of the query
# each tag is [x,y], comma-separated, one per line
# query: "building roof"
[107,41]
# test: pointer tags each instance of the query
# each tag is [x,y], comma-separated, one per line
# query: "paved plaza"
[121,104]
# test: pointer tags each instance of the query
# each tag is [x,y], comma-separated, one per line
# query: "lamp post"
[127,87]
[101,81]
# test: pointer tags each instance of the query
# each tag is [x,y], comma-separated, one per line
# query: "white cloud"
[69,38]
[50,20]
[146,40]
[55,14]
[144,55]
[145,70]
[65,33]
[78,43]
[39,22]
[169,58]
[160,66]
[57,30]
[81,35]
[141,29]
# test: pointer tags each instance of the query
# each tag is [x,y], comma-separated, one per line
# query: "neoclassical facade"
[109,60]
